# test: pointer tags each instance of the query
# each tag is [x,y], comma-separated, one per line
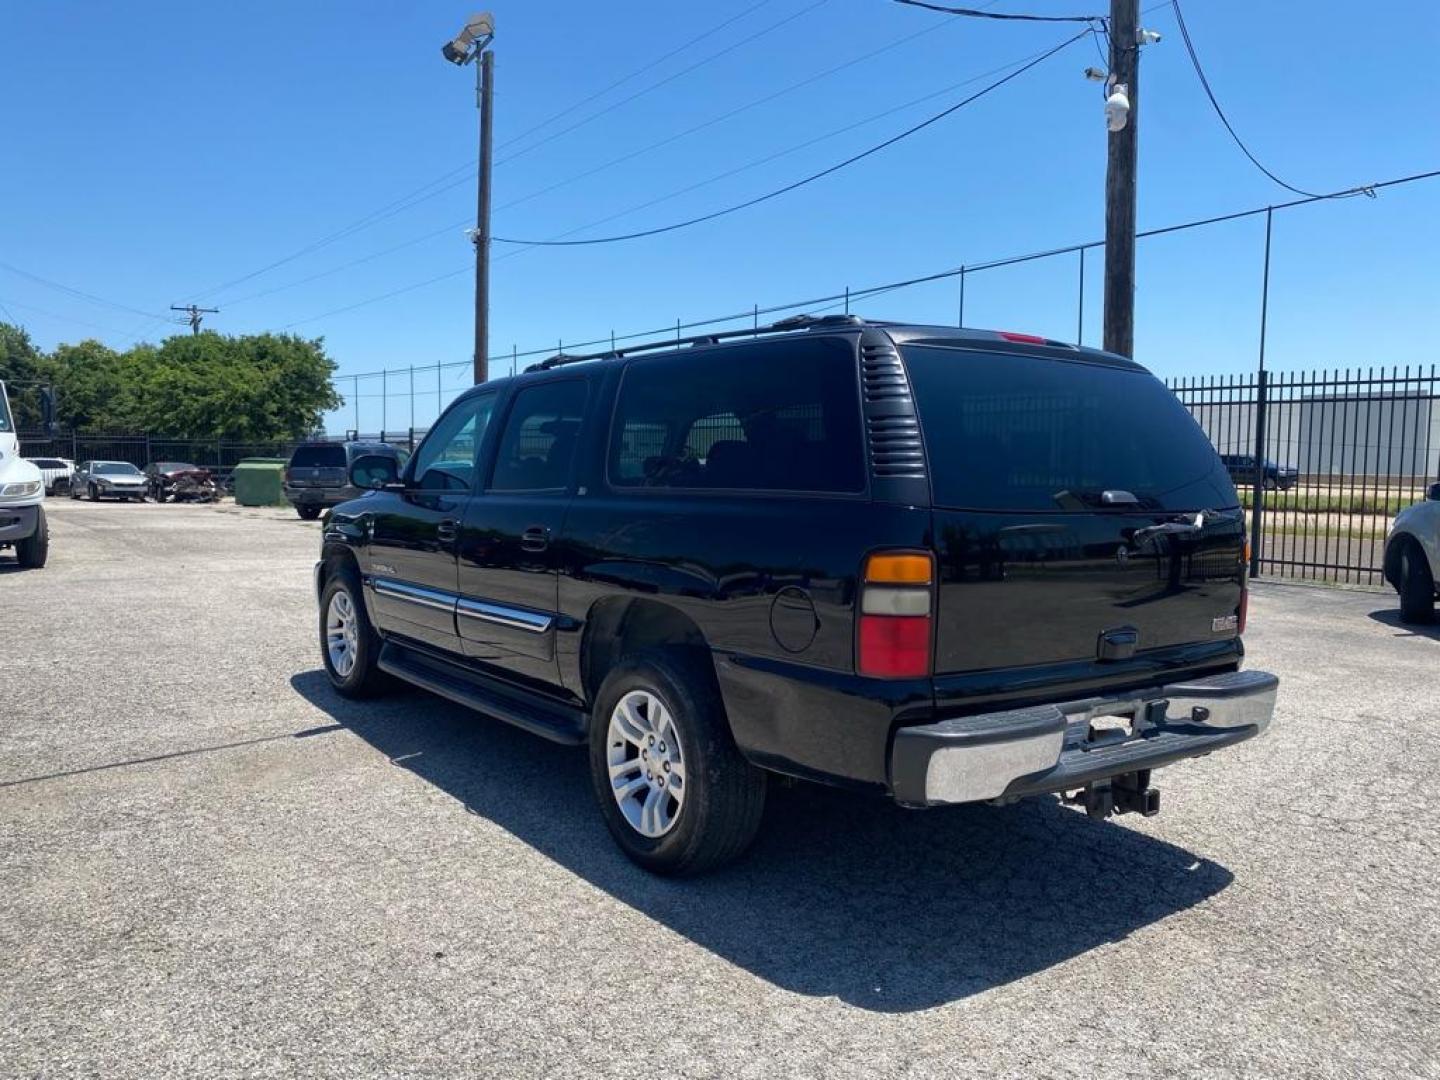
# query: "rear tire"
[349,645]
[308,513]
[1416,586]
[663,702]
[32,552]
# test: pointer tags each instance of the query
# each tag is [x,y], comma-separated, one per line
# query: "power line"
[452,179]
[868,55]
[79,293]
[634,74]
[793,148]
[891,286]
[976,13]
[813,176]
[665,81]
[1205,85]
[523,244]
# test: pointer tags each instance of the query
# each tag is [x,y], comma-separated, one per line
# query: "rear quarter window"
[1012,432]
[765,417]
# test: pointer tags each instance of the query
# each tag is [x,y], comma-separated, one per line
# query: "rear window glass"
[760,418]
[1014,432]
[318,457]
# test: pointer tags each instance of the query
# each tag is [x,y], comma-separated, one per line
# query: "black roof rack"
[794,322]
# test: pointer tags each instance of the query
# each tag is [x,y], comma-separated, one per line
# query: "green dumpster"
[259,481]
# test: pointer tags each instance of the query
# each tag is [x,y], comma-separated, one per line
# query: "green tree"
[22,367]
[257,387]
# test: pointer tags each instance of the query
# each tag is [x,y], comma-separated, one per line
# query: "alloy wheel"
[647,767]
[341,633]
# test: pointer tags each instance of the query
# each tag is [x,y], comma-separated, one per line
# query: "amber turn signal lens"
[899,569]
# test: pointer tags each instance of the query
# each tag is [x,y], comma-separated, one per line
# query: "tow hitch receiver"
[1127,794]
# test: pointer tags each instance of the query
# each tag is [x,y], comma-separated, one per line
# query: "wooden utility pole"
[195,315]
[482,220]
[1120,182]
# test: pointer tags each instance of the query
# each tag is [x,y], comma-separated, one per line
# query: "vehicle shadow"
[1391,617]
[842,895]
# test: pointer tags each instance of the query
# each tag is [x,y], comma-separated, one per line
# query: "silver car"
[96,480]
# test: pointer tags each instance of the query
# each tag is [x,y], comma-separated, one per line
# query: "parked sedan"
[179,480]
[1243,471]
[1412,557]
[96,480]
[56,473]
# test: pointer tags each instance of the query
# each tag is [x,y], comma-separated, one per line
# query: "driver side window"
[446,460]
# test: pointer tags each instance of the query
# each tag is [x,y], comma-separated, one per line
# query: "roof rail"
[793,322]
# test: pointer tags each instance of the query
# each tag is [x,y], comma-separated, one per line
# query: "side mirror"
[375,472]
[1433,493]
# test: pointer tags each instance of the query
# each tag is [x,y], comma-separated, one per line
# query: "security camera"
[1117,107]
[1094,74]
[1147,37]
[477,33]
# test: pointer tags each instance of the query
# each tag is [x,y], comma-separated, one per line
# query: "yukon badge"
[1222,623]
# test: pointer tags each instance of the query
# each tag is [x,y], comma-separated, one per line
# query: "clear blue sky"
[155,150]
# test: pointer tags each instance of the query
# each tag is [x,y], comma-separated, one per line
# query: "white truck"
[22,497]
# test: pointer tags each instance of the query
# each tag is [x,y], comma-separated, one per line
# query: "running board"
[550,720]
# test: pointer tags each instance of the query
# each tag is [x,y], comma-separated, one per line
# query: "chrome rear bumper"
[1054,747]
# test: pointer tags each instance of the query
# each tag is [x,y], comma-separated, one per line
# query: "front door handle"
[535,538]
[447,531]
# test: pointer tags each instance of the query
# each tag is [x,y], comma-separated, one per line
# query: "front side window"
[781,416]
[446,459]
[538,445]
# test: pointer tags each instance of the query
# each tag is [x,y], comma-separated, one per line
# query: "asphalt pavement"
[210,865]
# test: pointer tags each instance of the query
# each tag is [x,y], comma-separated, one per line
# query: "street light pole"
[482,219]
[472,43]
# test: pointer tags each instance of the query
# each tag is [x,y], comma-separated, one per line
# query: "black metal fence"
[1343,452]
[1362,443]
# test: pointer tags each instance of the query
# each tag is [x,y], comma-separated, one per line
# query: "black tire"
[94,493]
[308,513]
[365,679]
[32,552]
[724,796]
[1271,484]
[1416,586]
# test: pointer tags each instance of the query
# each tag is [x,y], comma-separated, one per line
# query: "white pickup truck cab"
[1412,557]
[22,495]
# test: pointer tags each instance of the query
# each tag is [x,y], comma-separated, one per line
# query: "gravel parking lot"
[212,866]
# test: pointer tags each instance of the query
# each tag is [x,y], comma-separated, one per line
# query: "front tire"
[349,645]
[672,786]
[94,493]
[32,552]
[308,513]
[1416,586]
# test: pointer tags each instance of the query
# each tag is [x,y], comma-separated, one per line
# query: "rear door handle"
[447,531]
[535,538]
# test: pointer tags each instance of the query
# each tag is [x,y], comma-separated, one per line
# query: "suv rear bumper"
[1048,748]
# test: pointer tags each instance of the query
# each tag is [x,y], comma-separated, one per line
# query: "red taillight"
[895,646]
[895,616]
[1026,339]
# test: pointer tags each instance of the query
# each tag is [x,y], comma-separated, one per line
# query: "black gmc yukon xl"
[944,565]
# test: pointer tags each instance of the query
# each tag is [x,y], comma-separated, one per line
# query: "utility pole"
[482,220]
[196,315]
[1120,179]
